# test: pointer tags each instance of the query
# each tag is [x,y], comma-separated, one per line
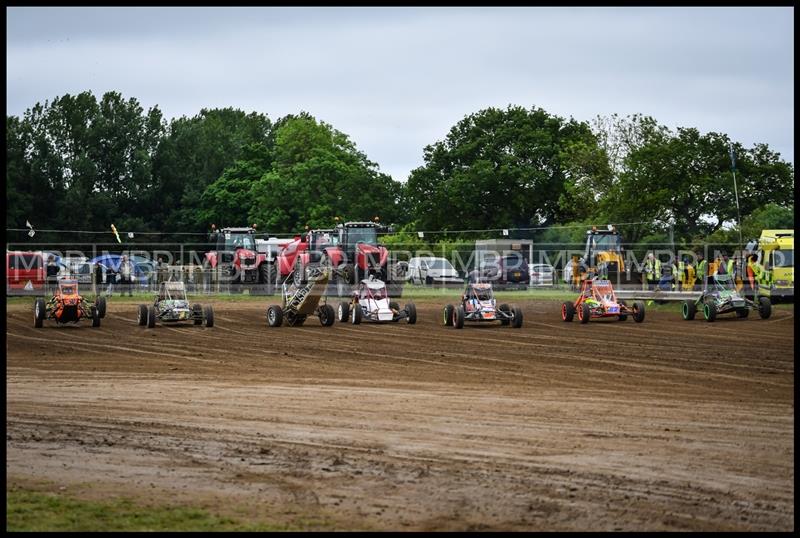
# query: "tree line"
[79,163]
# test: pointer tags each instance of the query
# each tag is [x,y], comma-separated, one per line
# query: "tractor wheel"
[95,314]
[151,317]
[141,316]
[709,312]
[567,311]
[743,312]
[458,317]
[209,315]
[584,313]
[688,310]
[326,315]
[622,317]
[506,310]
[299,273]
[764,307]
[638,311]
[517,321]
[274,316]
[39,309]
[197,314]
[448,315]
[355,315]
[101,306]
[268,276]
[344,311]
[394,305]
[411,314]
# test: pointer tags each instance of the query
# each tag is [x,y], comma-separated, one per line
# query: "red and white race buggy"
[598,300]
[370,302]
[478,304]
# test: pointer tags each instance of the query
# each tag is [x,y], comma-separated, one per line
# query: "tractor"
[237,261]
[356,254]
[598,300]
[303,252]
[721,297]
[171,305]
[302,301]
[68,306]
[479,304]
[370,302]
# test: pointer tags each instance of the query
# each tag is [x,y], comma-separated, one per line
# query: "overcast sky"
[397,79]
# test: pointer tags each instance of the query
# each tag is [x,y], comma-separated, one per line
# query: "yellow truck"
[775,251]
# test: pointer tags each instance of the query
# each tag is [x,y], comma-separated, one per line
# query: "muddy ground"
[664,425]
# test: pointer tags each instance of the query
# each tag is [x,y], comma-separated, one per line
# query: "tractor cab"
[351,234]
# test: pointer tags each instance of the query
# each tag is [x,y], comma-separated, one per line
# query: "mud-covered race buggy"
[171,306]
[67,306]
[478,304]
[721,297]
[302,301]
[598,300]
[370,302]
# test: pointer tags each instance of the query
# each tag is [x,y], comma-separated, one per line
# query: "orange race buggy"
[67,306]
[598,300]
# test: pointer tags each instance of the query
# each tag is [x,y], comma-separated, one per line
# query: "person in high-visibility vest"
[678,267]
[754,274]
[688,283]
[729,265]
[702,269]
[652,270]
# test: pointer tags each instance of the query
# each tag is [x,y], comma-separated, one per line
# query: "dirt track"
[664,425]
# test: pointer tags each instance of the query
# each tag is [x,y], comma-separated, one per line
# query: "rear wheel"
[638,311]
[709,312]
[274,316]
[688,310]
[326,315]
[458,317]
[141,315]
[95,316]
[299,273]
[584,313]
[355,314]
[101,306]
[349,273]
[567,311]
[517,321]
[344,311]
[764,307]
[197,314]
[209,315]
[505,309]
[38,313]
[411,314]
[151,317]
[448,315]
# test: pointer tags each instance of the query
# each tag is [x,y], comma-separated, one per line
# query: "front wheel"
[355,314]
[326,315]
[101,306]
[151,317]
[709,312]
[764,307]
[209,315]
[274,316]
[584,313]
[38,313]
[505,309]
[516,322]
[448,316]
[95,316]
[141,315]
[567,311]
[458,317]
[197,314]
[411,314]
[688,310]
[622,307]
[638,311]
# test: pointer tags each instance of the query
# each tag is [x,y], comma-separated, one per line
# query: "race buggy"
[720,297]
[598,300]
[370,302]
[171,306]
[478,304]
[302,301]
[67,306]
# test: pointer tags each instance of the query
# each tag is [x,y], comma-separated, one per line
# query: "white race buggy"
[370,302]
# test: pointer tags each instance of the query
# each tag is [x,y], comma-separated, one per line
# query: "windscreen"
[365,235]
[438,263]
[783,258]
[239,240]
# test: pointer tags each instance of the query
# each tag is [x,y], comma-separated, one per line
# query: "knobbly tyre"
[171,306]
[598,300]
[68,306]
[478,304]
[302,301]
[370,302]
[720,297]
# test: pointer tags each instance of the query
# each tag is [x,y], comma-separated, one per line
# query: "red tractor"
[301,253]
[356,254]
[236,261]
